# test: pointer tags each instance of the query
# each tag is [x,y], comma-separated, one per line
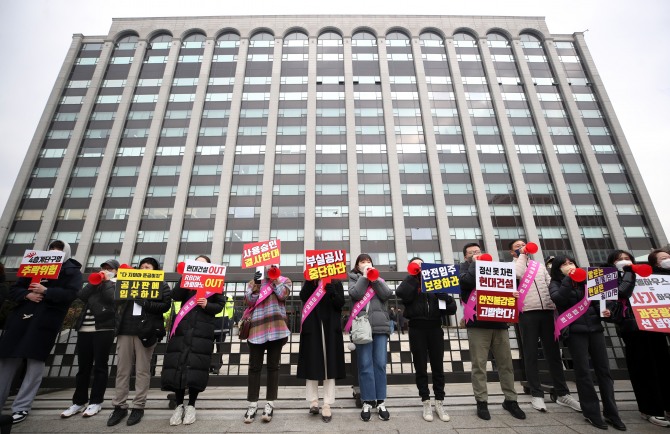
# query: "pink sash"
[470,307]
[571,315]
[359,306]
[312,302]
[526,281]
[265,292]
[185,309]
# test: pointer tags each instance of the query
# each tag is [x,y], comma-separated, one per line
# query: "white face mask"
[623,263]
[567,268]
[110,274]
[665,264]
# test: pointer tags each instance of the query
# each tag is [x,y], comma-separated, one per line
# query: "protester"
[485,336]
[372,357]
[139,326]
[536,323]
[268,333]
[95,337]
[647,355]
[659,259]
[224,323]
[321,353]
[32,327]
[586,340]
[189,350]
[426,339]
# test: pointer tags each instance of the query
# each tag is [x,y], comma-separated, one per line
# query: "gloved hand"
[257,277]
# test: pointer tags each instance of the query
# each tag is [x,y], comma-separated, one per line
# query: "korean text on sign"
[261,254]
[440,278]
[602,283]
[651,303]
[202,276]
[138,284]
[326,264]
[495,276]
[498,306]
[39,264]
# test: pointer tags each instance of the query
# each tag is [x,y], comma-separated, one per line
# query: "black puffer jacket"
[99,299]
[624,322]
[422,310]
[467,274]
[150,319]
[566,294]
[189,350]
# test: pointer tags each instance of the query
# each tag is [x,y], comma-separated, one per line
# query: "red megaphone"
[531,248]
[642,270]
[124,266]
[485,257]
[96,278]
[578,275]
[180,267]
[373,274]
[413,268]
[274,272]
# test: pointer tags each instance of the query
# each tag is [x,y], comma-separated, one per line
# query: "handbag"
[361,331]
[245,323]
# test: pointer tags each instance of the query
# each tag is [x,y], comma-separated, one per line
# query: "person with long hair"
[372,357]
[586,341]
[189,349]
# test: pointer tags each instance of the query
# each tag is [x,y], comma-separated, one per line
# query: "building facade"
[395,136]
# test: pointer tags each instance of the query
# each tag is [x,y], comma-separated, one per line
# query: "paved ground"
[221,410]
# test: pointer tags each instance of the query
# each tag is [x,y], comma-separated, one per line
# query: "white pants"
[328,391]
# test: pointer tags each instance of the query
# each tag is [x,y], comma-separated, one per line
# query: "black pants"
[428,344]
[538,325]
[648,361]
[93,354]
[256,352]
[583,345]
[219,338]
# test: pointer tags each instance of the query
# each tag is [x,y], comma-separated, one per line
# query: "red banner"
[261,254]
[203,277]
[499,306]
[326,264]
[38,264]
[651,303]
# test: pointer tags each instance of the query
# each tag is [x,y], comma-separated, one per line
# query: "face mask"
[623,263]
[665,264]
[567,268]
[110,274]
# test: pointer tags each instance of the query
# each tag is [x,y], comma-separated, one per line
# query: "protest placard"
[325,264]
[440,278]
[41,264]
[138,284]
[261,254]
[651,303]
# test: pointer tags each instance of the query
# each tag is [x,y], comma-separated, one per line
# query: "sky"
[625,38]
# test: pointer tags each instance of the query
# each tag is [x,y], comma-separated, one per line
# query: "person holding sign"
[370,294]
[189,350]
[426,338]
[485,336]
[139,326]
[33,325]
[321,355]
[536,322]
[647,355]
[585,340]
[268,333]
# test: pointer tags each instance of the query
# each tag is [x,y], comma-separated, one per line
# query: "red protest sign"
[39,264]
[203,277]
[498,306]
[651,303]
[325,264]
[261,254]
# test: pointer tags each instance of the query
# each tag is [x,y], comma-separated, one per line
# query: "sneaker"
[19,416]
[189,415]
[74,409]
[616,423]
[383,412]
[117,416]
[439,409]
[483,410]
[656,420]
[135,416]
[92,410]
[427,411]
[250,415]
[569,401]
[366,412]
[513,408]
[538,404]
[267,413]
[177,416]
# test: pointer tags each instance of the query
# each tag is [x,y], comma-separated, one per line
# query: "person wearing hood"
[33,326]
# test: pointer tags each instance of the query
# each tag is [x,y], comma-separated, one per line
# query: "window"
[161,191]
[21,237]
[330,189]
[59,134]
[45,172]
[192,236]
[288,235]
[288,211]
[207,169]
[203,190]
[628,209]
[218,97]
[504,210]
[30,214]
[418,210]
[108,236]
[199,213]
[416,189]
[494,168]
[546,210]
[332,211]
[374,189]
[587,209]
[135,132]
[114,213]
[461,210]
[465,233]
[152,236]
[68,237]
[118,192]
[552,232]
[289,169]
[84,172]
[381,234]
[580,188]
[594,232]
[245,190]
[156,213]
[457,188]
[612,168]
[619,188]
[213,131]
[79,192]
[539,188]
[421,233]
[72,214]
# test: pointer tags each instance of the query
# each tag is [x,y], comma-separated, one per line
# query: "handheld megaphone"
[274,272]
[180,267]
[373,274]
[642,270]
[96,278]
[485,257]
[413,268]
[578,275]
[531,248]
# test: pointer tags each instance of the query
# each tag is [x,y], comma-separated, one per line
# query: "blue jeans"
[372,368]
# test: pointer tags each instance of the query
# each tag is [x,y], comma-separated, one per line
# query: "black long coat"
[188,354]
[32,328]
[326,316]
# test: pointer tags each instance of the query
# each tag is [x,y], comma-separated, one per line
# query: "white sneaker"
[189,415]
[74,409]
[92,410]
[439,409]
[268,411]
[538,404]
[569,401]
[427,411]
[656,420]
[177,416]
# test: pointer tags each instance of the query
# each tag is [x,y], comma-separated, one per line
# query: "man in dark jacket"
[32,328]
[484,336]
[426,338]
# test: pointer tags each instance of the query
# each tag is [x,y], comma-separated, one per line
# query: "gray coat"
[377,309]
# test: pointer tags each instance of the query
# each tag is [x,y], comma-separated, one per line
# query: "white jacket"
[538,295]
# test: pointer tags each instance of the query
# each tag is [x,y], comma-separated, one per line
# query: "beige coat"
[538,295]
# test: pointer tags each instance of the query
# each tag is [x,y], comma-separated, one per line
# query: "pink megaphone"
[180,267]
[642,270]
[531,248]
[96,278]
[274,272]
[373,274]
[413,268]
[578,275]
[485,257]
